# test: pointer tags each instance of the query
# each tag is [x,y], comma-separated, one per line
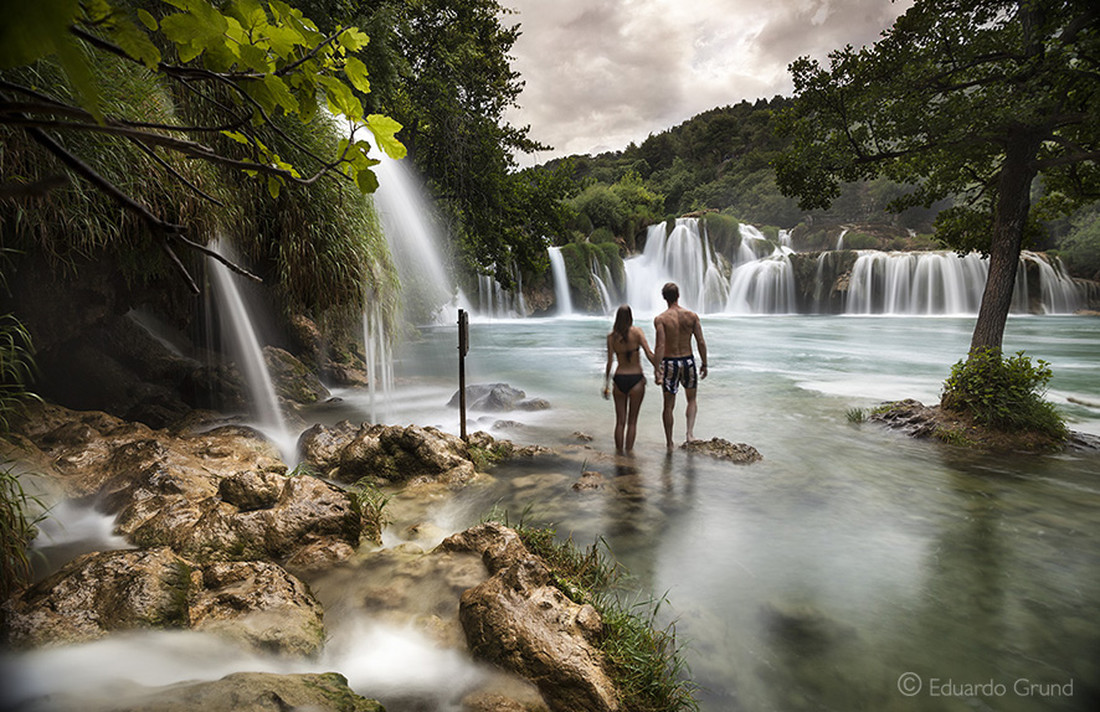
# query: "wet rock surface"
[256,604]
[519,620]
[386,453]
[240,692]
[738,453]
[218,495]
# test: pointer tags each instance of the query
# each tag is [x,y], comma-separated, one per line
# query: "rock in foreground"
[254,603]
[519,620]
[239,692]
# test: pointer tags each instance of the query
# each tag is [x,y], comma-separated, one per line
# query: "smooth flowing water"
[850,555]
[813,580]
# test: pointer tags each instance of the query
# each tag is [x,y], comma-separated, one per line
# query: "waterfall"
[840,240]
[379,361]
[1059,294]
[601,281]
[417,248]
[238,331]
[682,256]
[765,286]
[916,283]
[760,278]
[561,281]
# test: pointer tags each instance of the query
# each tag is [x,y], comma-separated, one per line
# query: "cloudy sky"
[602,73]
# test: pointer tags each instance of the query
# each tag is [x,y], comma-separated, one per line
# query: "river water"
[850,555]
[848,568]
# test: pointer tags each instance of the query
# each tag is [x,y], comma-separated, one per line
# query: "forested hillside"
[721,160]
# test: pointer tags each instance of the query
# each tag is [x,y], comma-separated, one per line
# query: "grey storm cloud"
[599,75]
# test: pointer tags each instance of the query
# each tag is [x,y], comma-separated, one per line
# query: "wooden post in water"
[463,349]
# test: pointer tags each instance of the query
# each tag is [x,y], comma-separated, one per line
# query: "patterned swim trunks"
[677,371]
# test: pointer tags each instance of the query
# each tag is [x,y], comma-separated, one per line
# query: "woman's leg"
[634,405]
[620,416]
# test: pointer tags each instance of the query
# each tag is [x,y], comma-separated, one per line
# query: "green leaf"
[366,180]
[340,98]
[357,74]
[133,40]
[384,129]
[353,39]
[273,186]
[147,19]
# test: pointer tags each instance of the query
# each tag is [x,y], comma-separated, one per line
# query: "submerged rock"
[254,603]
[497,397]
[240,692]
[739,453]
[519,620]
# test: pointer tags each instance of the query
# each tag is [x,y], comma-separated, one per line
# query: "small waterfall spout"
[238,331]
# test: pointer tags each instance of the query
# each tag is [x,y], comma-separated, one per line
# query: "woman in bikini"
[623,343]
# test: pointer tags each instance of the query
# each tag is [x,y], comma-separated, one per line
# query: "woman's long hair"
[624,319]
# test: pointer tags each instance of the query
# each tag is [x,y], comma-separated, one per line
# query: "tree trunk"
[1009,221]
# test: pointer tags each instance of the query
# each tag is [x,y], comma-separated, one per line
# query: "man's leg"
[692,406]
[666,417]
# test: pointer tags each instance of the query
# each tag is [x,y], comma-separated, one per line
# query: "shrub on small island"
[1004,393]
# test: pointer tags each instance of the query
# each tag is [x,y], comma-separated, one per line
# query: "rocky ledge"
[921,421]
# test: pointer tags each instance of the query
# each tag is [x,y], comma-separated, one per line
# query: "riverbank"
[220,538]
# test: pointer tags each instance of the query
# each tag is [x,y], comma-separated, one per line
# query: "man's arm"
[697,332]
[658,348]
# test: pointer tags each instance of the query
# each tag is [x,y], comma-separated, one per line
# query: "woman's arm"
[607,369]
[645,347]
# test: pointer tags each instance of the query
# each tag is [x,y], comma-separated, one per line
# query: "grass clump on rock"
[643,659]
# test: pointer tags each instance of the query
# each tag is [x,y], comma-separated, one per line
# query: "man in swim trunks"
[675,363]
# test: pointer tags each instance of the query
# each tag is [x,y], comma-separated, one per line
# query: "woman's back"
[626,350]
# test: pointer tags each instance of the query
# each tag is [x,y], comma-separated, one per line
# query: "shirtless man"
[676,364]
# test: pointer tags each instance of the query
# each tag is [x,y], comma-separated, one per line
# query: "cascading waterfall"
[238,331]
[765,286]
[1059,294]
[681,256]
[417,248]
[760,278]
[561,281]
[601,278]
[840,240]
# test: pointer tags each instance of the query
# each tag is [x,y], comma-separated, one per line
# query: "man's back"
[676,325]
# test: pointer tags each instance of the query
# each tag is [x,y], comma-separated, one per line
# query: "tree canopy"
[247,66]
[970,99]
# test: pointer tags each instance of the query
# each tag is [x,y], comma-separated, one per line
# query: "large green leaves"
[274,56]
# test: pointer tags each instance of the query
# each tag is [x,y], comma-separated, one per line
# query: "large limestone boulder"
[519,620]
[256,604]
[239,692]
[386,453]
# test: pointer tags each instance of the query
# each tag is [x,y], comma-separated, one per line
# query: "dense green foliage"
[963,99]
[645,661]
[447,77]
[317,243]
[1004,393]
